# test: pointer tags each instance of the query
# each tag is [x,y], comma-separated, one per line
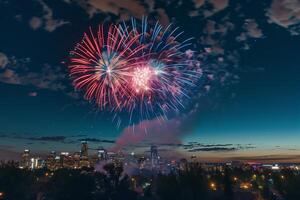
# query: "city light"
[213,186]
[245,185]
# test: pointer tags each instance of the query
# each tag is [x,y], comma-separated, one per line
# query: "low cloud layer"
[96,140]
[213,149]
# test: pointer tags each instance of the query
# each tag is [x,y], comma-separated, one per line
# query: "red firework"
[101,66]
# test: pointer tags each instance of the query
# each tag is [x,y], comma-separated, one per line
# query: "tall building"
[76,157]
[84,149]
[102,154]
[66,161]
[36,163]
[51,161]
[84,155]
[154,156]
[25,159]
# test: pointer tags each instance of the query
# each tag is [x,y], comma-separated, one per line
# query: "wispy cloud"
[97,140]
[48,138]
[47,20]
[213,149]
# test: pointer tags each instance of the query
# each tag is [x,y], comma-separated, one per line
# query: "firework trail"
[135,68]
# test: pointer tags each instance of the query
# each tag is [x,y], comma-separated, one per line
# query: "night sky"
[246,105]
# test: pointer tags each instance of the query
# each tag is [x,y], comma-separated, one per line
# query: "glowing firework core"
[142,78]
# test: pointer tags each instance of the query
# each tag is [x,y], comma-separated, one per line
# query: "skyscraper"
[84,155]
[84,149]
[154,156]
[25,160]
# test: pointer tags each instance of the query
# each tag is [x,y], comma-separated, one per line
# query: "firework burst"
[100,66]
[134,68]
[165,74]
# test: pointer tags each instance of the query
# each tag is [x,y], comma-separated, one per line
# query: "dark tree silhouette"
[16,183]
[189,184]
[228,192]
[67,184]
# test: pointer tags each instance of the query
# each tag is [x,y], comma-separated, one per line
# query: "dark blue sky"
[249,93]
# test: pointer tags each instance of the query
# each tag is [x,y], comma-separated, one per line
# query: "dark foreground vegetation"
[192,183]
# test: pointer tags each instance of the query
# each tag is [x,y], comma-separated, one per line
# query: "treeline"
[192,183]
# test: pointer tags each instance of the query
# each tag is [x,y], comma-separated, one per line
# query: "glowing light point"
[142,78]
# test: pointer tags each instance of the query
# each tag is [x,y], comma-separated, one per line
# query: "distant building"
[102,154]
[25,159]
[84,149]
[183,163]
[66,160]
[142,162]
[36,163]
[154,156]
[76,158]
[51,161]
[84,155]
[111,155]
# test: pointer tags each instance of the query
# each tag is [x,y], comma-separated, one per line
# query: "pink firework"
[165,75]
[139,69]
[101,67]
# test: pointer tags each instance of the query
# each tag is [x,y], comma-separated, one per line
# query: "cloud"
[252,29]
[285,13]
[46,21]
[42,138]
[198,3]
[269,158]
[35,23]
[198,147]
[214,7]
[96,140]
[48,138]
[124,9]
[47,78]
[213,149]
[214,34]
[219,4]
[3,60]
[133,7]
